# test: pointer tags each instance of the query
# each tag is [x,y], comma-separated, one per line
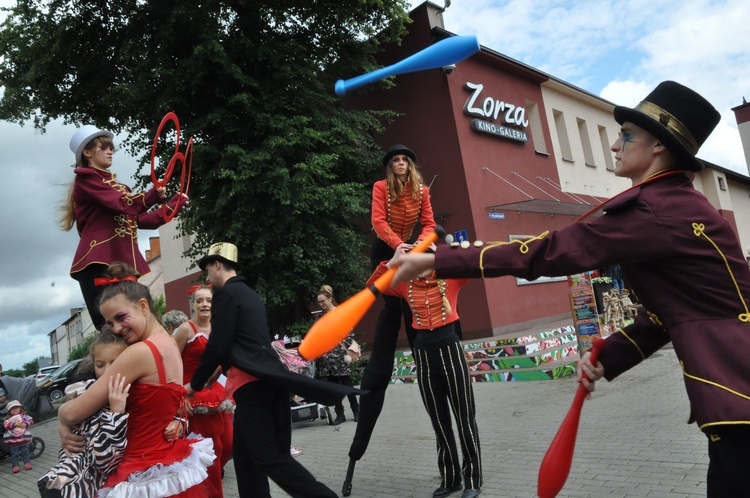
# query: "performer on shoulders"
[106,214]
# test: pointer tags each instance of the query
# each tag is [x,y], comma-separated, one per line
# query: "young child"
[17,434]
[81,475]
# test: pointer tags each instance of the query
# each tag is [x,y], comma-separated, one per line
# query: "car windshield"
[63,370]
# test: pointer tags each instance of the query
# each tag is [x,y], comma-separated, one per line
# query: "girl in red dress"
[211,409]
[152,466]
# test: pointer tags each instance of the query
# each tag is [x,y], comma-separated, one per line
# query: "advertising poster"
[583,306]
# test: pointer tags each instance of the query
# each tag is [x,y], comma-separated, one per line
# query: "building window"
[535,125]
[610,164]
[562,135]
[588,154]
[722,183]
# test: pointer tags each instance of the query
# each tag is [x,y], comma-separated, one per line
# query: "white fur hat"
[83,136]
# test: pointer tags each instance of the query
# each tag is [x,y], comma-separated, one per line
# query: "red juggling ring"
[185,159]
[170,116]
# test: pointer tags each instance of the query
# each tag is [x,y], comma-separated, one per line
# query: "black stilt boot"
[347,489]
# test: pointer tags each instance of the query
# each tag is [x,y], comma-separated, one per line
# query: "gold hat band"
[671,123]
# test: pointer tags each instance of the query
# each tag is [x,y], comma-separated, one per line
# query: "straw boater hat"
[83,136]
[678,117]
[398,149]
[221,251]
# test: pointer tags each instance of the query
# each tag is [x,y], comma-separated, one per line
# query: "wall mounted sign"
[496,216]
[501,131]
[490,110]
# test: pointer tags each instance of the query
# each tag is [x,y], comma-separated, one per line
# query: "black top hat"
[398,149]
[221,251]
[678,117]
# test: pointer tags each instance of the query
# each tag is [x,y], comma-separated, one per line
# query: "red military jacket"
[684,264]
[108,216]
[425,298]
[394,219]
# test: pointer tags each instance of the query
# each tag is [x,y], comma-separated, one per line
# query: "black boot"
[340,418]
[356,414]
[347,489]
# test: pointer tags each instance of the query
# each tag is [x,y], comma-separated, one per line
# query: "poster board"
[583,306]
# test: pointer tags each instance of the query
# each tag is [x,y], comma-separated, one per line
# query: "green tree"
[14,372]
[82,350]
[281,167]
[31,367]
[160,305]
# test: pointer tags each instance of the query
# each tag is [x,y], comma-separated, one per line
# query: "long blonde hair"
[413,178]
[68,216]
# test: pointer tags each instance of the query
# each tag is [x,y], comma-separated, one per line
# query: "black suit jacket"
[240,338]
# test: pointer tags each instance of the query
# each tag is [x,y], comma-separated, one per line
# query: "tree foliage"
[31,367]
[160,306]
[82,350]
[281,168]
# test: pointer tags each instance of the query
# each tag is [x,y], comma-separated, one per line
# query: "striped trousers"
[444,383]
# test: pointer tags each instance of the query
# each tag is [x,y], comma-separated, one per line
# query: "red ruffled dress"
[212,411]
[153,467]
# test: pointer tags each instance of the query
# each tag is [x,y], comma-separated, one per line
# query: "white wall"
[596,178]
[174,264]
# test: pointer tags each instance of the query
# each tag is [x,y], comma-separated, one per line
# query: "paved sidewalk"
[632,442]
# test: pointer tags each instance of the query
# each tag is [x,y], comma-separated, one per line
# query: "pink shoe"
[16,470]
[27,466]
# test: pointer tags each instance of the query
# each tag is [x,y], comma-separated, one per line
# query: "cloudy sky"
[618,50]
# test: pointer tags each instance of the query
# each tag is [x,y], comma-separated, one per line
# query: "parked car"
[45,371]
[55,383]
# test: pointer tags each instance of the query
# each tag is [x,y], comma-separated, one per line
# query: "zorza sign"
[489,109]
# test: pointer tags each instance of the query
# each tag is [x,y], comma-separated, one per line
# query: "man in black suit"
[240,343]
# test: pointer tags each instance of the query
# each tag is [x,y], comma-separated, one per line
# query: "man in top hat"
[241,344]
[681,258]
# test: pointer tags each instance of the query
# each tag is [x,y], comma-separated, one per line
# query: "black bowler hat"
[398,149]
[678,117]
[221,251]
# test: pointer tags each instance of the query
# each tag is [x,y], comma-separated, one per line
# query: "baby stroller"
[36,405]
[302,411]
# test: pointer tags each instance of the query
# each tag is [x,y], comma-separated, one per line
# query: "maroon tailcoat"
[685,265]
[108,216]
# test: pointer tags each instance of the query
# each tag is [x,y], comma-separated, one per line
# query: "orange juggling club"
[556,462]
[333,327]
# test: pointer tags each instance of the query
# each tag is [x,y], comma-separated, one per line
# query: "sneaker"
[27,466]
[16,469]
[295,452]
